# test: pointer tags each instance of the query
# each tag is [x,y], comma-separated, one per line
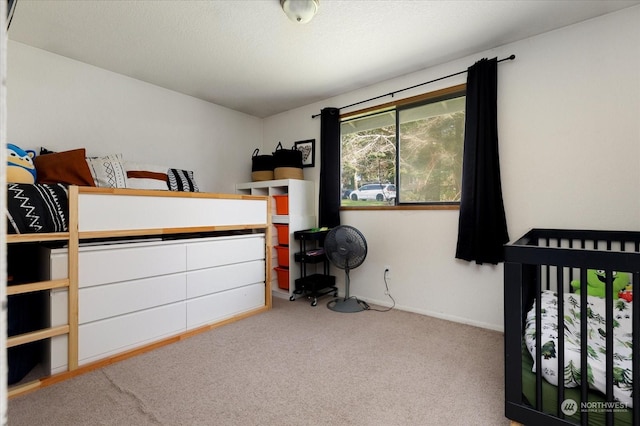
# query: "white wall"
[569,130]
[63,104]
[569,145]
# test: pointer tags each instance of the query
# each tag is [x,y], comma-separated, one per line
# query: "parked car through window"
[374,191]
[414,145]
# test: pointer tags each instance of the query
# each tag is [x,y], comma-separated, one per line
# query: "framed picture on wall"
[308,149]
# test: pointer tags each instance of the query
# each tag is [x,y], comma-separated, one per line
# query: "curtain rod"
[509,58]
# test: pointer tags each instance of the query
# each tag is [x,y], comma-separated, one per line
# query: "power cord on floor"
[387,292]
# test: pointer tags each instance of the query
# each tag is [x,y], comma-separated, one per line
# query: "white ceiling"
[246,55]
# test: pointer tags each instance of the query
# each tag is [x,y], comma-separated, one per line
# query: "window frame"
[397,106]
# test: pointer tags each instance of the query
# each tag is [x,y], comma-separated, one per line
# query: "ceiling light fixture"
[300,11]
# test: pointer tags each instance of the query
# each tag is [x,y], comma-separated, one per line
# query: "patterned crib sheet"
[596,343]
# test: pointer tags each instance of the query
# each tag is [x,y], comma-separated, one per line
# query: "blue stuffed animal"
[20,167]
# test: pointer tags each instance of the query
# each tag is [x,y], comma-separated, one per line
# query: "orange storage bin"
[283,277]
[283,234]
[283,256]
[282,204]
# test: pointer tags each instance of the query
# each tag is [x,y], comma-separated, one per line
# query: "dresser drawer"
[59,301]
[104,301]
[224,251]
[135,293]
[100,339]
[121,262]
[218,306]
[213,280]
[58,354]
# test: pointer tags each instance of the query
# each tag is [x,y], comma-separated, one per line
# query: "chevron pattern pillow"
[182,180]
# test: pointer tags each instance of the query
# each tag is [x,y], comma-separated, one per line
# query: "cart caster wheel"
[314,303]
[292,298]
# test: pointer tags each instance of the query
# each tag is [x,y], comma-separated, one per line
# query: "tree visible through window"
[406,154]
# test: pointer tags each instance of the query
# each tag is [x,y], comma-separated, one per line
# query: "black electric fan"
[345,248]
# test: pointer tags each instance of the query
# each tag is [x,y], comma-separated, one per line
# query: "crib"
[545,274]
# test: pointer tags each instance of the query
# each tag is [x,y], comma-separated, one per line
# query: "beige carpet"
[294,365]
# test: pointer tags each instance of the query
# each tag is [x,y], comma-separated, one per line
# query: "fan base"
[350,305]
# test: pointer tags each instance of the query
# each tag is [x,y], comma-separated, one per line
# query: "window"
[406,153]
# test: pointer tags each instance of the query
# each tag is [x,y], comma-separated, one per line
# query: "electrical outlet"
[387,271]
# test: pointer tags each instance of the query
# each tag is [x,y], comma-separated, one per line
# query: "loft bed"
[544,381]
[208,239]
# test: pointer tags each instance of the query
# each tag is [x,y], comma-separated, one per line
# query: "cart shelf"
[313,285]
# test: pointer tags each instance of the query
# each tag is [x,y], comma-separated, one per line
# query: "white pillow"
[108,171]
[146,176]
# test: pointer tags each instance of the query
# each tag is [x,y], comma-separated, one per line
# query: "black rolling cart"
[313,285]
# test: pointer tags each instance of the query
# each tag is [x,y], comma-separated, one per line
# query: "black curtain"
[329,202]
[482,227]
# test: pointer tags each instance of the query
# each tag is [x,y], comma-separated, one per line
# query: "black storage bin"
[287,162]
[287,157]
[261,166]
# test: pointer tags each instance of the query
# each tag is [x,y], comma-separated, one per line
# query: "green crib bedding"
[622,417]
[570,372]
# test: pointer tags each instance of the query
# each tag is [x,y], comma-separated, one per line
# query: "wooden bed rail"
[37,286]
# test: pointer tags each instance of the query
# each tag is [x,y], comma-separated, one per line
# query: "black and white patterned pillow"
[108,171]
[182,180]
[36,208]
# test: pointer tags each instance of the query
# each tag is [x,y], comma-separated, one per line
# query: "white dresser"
[134,293]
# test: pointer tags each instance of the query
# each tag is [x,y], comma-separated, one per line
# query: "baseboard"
[440,315]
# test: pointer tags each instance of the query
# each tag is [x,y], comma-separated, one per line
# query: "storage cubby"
[28,322]
[26,313]
[299,215]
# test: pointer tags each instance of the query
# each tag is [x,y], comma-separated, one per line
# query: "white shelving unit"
[301,216]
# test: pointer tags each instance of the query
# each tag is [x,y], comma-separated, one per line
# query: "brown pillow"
[68,167]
